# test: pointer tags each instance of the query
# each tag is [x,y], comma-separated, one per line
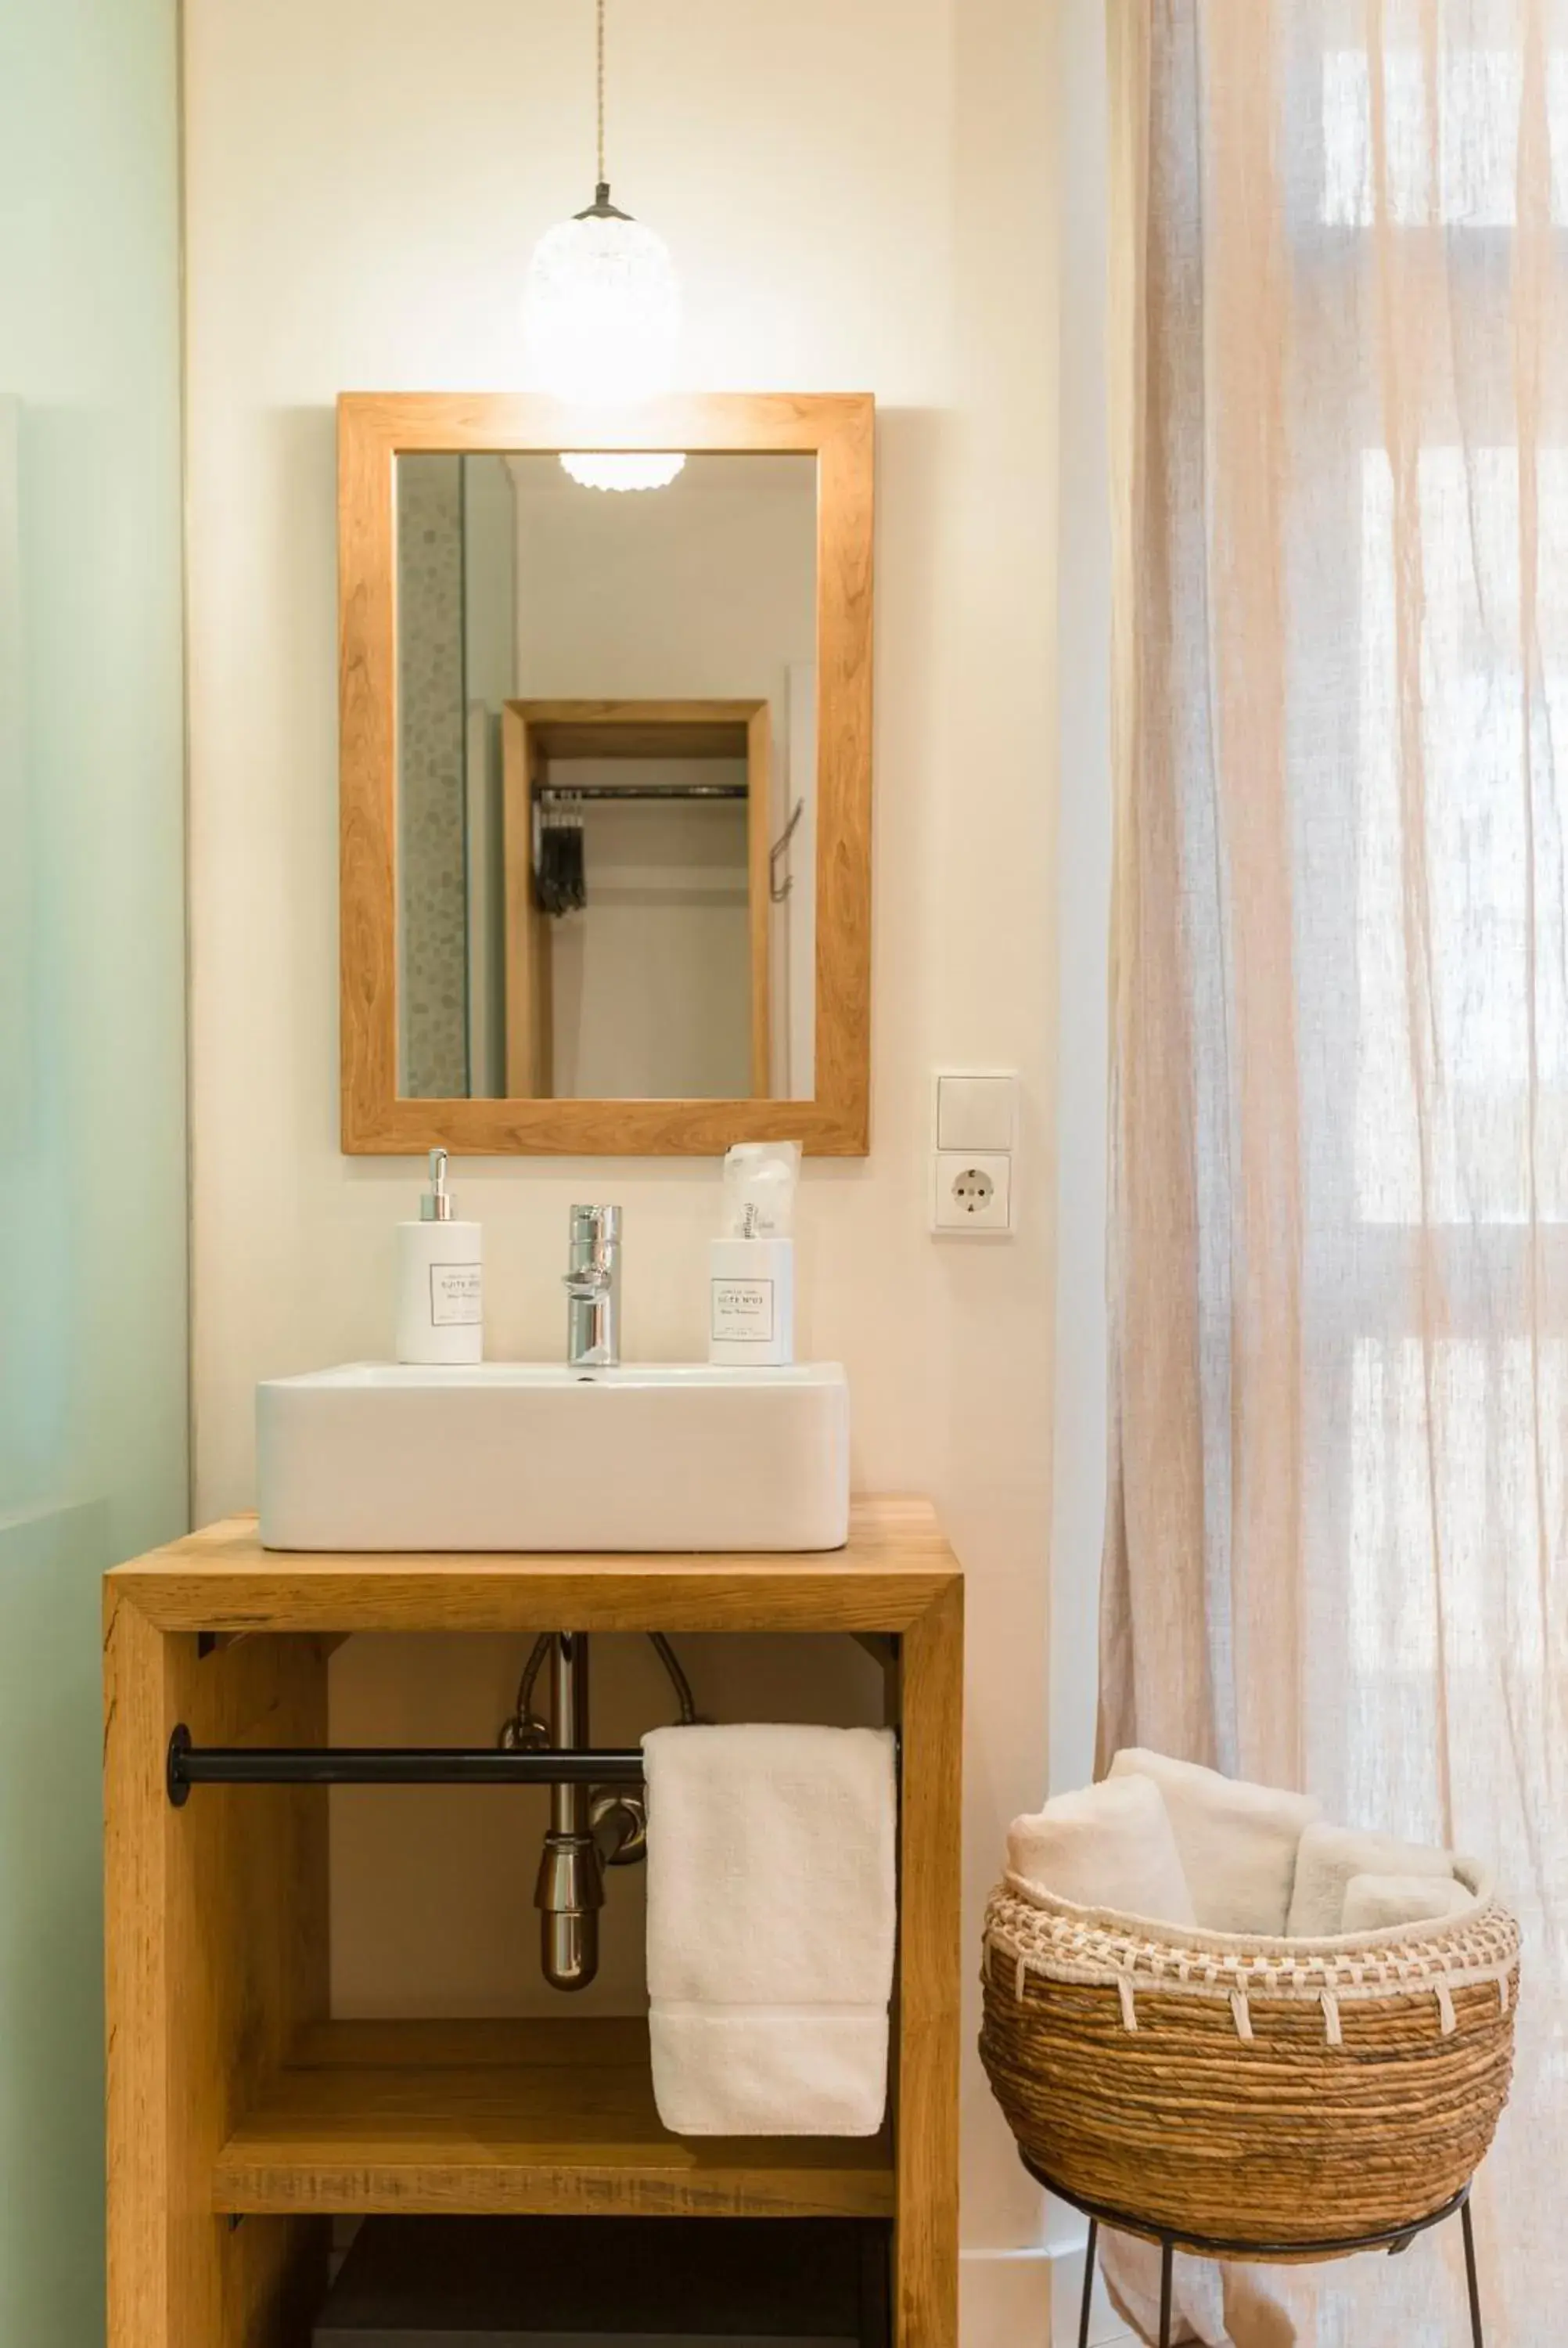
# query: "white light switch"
[976,1112]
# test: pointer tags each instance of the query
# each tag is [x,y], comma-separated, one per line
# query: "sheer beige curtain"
[1337,1544]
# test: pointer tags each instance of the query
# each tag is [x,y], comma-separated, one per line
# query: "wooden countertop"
[895,1567]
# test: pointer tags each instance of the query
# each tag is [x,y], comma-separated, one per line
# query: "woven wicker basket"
[1232,2089]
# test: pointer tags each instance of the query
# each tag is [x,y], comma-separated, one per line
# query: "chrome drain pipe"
[570,1889]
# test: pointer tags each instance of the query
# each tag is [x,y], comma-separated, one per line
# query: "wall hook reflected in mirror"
[778,855]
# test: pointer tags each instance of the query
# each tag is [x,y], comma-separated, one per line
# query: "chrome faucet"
[593,1289]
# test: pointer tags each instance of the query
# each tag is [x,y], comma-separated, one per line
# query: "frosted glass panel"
[92,1145]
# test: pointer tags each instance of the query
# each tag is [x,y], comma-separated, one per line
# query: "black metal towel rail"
[389,1764]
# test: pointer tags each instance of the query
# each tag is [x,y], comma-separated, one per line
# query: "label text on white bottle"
[455,1297]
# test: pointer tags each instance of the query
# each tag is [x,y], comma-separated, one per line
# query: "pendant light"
[602,306]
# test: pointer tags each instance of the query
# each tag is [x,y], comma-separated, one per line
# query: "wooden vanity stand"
[242,2116]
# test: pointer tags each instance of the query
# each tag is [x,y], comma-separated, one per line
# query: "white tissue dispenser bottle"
[440,1281]
[750,1267]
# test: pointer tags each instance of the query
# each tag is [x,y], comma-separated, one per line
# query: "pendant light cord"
[602,207]
[602,181]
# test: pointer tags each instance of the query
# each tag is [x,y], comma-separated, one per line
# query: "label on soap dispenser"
[743,1310]
[456,1298]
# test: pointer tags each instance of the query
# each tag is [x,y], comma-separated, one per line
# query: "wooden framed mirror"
[605,774]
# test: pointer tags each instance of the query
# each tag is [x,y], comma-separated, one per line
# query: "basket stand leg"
[1472,2279]
[1088,2282]
[1167,2260]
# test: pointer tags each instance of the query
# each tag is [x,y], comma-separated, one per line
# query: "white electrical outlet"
[972,1191]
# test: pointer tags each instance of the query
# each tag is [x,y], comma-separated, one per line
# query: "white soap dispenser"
[440,1285]
[751,1266]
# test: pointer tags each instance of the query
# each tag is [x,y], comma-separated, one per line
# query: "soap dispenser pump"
[440,1284]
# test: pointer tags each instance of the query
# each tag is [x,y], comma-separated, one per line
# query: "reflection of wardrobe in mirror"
[663,973]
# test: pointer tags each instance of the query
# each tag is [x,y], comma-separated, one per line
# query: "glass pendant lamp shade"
[603,309]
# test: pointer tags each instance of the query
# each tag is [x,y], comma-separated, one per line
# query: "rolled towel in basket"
[1108,1846]
[1237,1841]
[772,1911]
[1327,1858]
[1380,1903]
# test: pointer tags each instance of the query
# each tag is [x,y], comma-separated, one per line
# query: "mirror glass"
[606,780]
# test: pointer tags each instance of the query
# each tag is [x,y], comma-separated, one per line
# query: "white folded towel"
[1380,1903]
[1219,2306]
[1237,1841]
[771,1912]
[1131,2267]
[1109,1846]
[1327,1858]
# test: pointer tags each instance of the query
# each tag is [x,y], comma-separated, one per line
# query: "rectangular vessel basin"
[527,1455]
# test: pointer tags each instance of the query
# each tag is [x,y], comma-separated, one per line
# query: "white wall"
[702,591]
[705,590]
[650,985]
[862,194]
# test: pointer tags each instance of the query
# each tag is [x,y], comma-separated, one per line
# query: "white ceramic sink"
[525,1455]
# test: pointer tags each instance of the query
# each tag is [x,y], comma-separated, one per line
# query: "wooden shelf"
[550,2117]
